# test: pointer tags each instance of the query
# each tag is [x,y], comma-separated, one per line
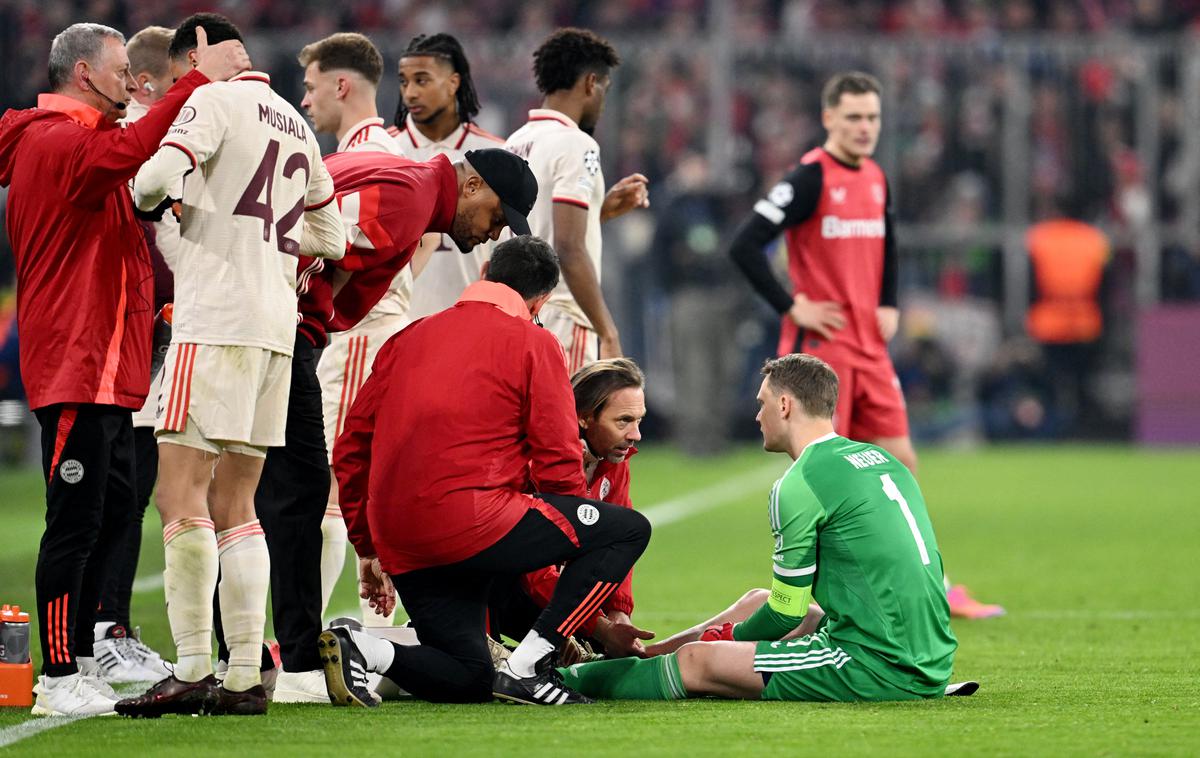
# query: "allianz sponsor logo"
[833,228]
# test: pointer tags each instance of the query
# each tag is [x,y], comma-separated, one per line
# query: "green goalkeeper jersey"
[850,523]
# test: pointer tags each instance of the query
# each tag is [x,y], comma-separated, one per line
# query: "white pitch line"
[10,735]
[698,501]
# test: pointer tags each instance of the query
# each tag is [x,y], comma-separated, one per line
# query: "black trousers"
[512,612]
[88,462]
[118,586]
[290,503]
[448,604]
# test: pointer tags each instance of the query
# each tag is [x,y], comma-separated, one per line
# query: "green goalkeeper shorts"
[812,668]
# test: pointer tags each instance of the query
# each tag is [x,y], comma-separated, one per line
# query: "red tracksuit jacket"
[390,202]
[464,412]
[85,288]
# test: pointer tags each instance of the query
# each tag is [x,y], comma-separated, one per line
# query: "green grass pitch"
[1094,551]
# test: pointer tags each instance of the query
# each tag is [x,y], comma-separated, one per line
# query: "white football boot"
[74,695]
[301,687]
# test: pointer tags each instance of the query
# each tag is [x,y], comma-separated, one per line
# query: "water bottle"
[14,635]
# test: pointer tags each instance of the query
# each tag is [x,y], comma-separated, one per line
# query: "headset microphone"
[111,103]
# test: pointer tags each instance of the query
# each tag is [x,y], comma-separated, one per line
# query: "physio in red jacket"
[610,403]
[85,298]
[465,413]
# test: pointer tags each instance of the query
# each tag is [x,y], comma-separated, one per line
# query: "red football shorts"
[870,402]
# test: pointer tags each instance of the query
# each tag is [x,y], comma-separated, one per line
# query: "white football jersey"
[566,162]
[369,134]
[448,271]
[256,169]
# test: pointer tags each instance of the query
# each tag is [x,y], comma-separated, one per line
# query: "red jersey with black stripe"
[837,223]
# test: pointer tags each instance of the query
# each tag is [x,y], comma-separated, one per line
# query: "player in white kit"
[437,105]
[255,195]
[572,70]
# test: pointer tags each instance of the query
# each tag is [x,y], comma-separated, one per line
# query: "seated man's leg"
[719,669]
[740,611]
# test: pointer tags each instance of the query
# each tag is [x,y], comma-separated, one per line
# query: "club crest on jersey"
[605,487]
[186,113]
[781,195]
[588,514]
[837,195]
[591,161]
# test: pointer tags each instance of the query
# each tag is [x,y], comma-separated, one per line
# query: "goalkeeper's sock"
[189,579]
[627,679]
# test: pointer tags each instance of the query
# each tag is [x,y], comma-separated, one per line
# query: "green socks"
[627,679]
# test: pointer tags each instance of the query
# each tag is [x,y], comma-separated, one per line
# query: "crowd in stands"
[946,108]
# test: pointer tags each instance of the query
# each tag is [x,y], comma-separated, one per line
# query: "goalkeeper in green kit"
[852,533]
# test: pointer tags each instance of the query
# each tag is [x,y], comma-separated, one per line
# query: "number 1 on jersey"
[893,492]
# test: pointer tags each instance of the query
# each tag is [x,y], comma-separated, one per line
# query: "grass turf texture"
[1092,550]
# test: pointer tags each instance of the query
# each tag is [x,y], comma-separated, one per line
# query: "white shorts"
[224,397]
[345,364]
[581,344]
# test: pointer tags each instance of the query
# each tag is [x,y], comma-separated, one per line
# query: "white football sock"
[245,578]
[189,580]
[378,653]
[333,552]
[531,650]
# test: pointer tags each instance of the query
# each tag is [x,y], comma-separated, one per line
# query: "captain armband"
[789,600]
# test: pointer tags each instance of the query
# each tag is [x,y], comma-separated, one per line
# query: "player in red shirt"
[466,413]
[834,211]
[610,403]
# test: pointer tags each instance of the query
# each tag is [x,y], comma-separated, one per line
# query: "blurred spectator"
[704,307]
[1069,258]
[1076,76]
[1016,395]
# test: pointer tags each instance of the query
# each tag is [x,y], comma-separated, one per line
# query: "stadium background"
[996,115]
